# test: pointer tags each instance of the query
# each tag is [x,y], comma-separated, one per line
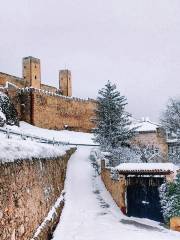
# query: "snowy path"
[91,214]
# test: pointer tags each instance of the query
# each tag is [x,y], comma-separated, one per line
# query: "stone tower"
[65,82]
[32,72]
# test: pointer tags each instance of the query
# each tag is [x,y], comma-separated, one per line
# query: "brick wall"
[28,190]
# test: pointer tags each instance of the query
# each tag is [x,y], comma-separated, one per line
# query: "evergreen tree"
[2,118]
[112,121]
[8,110]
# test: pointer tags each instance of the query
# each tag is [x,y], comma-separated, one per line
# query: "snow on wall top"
[13,149]
[147,167]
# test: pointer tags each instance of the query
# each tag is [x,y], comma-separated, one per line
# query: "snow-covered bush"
[2,118]
[8,109]
[132,154]
[123,155]
[114,174]
[170,198]
[96,157]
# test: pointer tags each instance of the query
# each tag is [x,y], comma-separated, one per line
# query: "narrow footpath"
[91,214]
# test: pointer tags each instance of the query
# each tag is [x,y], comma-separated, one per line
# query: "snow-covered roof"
[144,125]
[147,167]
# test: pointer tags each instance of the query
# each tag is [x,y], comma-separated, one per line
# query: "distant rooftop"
[144,125]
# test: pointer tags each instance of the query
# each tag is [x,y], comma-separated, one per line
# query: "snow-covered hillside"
[63,135]
[15,148]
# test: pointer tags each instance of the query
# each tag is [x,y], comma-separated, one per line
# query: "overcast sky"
[133,43]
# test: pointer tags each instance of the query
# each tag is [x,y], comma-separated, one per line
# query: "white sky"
[133,43]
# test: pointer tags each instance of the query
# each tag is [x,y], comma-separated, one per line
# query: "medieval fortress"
[47,106]
[54,108]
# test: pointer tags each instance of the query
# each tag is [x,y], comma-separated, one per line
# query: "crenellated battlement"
[44,105]
[52,93]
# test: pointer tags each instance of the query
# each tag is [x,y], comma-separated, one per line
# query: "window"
[35,76]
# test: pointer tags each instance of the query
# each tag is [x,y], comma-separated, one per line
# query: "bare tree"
[170,118]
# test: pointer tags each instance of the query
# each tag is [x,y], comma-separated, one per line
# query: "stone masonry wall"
[28,190]
[19,82]
[115,187]
[54,112]
[156,139]
[48,88]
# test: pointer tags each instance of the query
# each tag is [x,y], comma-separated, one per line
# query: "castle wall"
[54,112]
[19,82]
[48,88]
[29,188]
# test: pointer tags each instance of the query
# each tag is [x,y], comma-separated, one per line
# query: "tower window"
[24,66]
[35,77]
[35,66]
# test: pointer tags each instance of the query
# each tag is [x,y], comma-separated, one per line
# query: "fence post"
[7,133]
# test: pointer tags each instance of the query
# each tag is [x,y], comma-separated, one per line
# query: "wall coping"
[49,93]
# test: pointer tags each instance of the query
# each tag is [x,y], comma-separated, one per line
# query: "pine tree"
[112,121]
[8,110]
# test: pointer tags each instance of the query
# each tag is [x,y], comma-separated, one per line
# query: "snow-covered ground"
[63,135]
[91,214]
[16,148]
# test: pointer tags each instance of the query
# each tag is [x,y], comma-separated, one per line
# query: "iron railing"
[10,133]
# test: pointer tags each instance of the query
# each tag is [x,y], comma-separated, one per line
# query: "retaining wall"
[28,190]
[115,187]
